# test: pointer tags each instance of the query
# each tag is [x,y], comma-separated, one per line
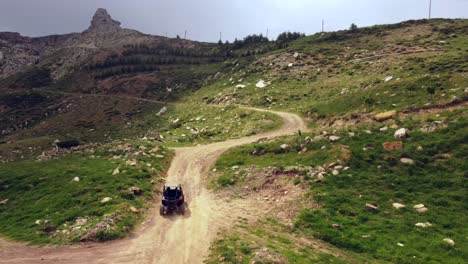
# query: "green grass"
[200,123]
[250,243]
[329,81]
[46,191]
[437,180]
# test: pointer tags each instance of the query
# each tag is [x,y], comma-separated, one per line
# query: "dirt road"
[175,239]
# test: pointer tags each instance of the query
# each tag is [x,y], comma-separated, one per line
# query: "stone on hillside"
[176,121]
[106,199]
[154,150]
[400,244]
[261,84]
[116,171]
[240,86]
[401,133]
[383,129]
[81,221]
[389,78]
[76,179]
[398,205]
[433,126]
[5,201]
[419,148]
[394,126]
[284,146]
[449,241]
[407,161]
[296,55]
[334,138]
[422,210]
[162,111]
[38,222]
[351,134]
[159,156]
[136,191]
[131,162]
[393,145]
[423,225]
[372,207]
[335,172]
[133,209]
[368,132]
[290,64]
[385,116]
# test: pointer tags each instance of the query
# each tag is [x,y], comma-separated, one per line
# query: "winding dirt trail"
[175,239]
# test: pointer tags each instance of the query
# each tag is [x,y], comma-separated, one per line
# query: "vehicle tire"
[161,210]
[182,209]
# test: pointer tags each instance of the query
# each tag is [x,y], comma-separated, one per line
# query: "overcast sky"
[204,19]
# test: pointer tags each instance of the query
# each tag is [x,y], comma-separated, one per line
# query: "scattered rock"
[284,146]
[419,148]
[49,229]
[136,191]
[398,205]
[106,199]
[393,145]
[133,209]
[81,221]
[449,241]
[5,201]
[38,222]
[389,78]
[423,225]
[433,126]
[420,208]
[162,111]
[335,172]
[372,207]
[296,55]
[407,161]
[400,244]
[76,179]
[383,129]
[116,171]
[334,138]
[401,133]
[131,162]
[385,116]
[336,226]
[261,84]
[290,64]
[351,134]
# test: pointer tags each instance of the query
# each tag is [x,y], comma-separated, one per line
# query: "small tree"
[178,37]
[431,90]
[353,27]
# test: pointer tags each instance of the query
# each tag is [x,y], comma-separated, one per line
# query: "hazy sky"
[204,19]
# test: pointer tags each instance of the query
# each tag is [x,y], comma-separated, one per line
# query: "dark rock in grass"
[68,144]
[49,229]
[136,191]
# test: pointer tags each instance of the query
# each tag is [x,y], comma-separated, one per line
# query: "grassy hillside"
[60,200]
[390,67]
[341,186]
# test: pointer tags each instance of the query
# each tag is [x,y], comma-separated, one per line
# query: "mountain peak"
[103,22]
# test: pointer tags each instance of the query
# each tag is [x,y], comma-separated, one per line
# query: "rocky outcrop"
[102,22]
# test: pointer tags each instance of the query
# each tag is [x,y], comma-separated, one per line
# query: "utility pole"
[430,8]
[267,33]
[323,25]
[185,34]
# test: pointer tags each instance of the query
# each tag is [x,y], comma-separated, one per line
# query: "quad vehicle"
[173,199]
